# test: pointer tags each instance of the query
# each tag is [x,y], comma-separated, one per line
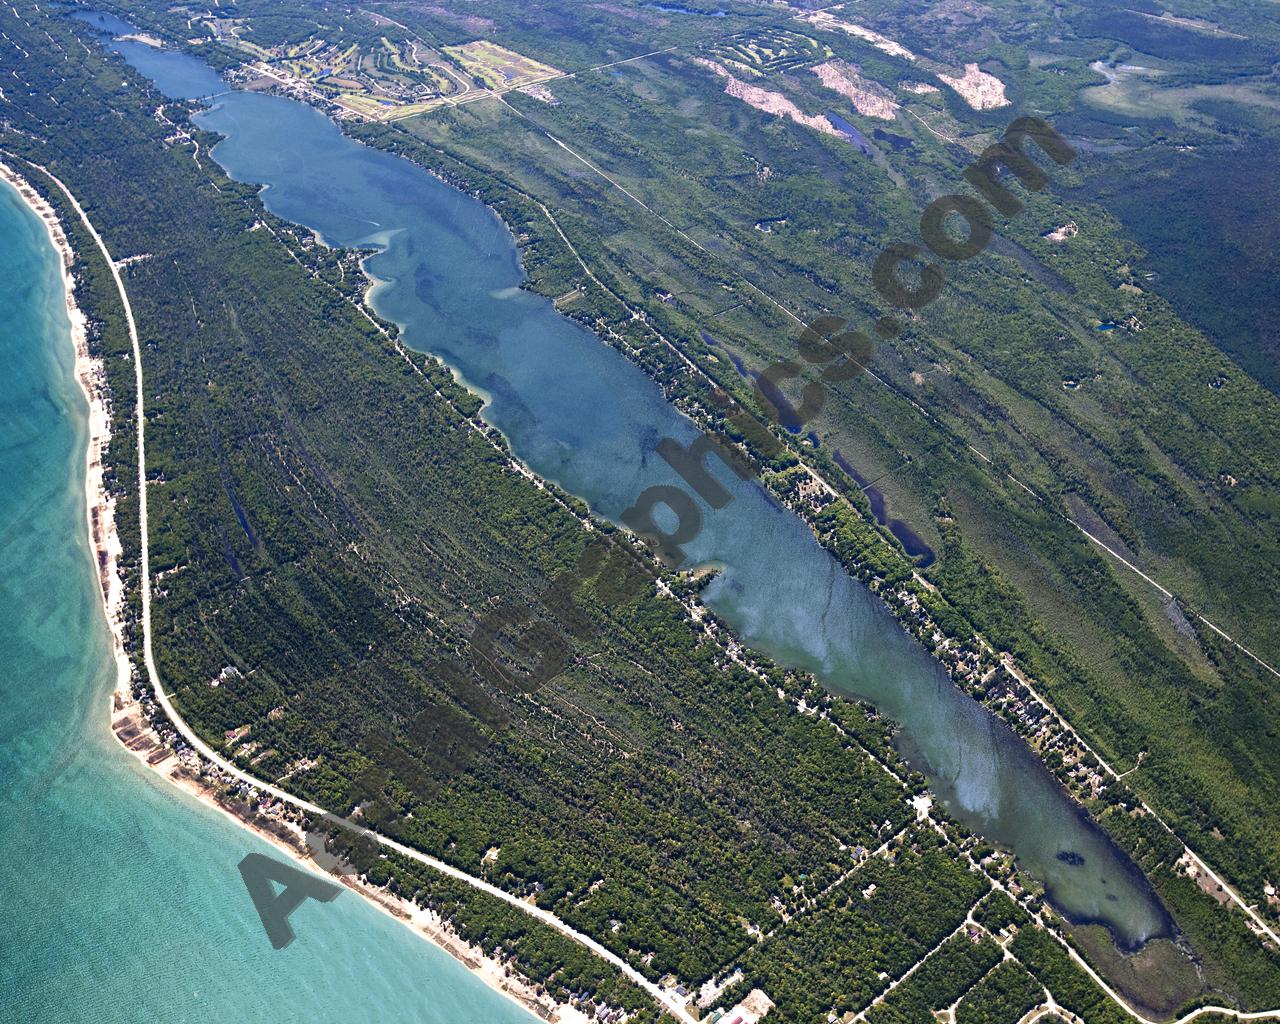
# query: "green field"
[498,67]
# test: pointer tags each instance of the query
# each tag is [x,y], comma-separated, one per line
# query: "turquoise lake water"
[120,900]
[580,414]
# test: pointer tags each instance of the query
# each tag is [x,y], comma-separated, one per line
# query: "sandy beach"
[270,821]
[91,376]
[129,723]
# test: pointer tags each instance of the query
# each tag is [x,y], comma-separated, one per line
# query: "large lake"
[580,414]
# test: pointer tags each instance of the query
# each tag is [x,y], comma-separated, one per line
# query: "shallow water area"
[120,899]
[580,414]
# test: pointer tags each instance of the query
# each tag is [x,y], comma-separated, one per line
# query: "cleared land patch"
[498,67]
[870,99]
[767,101]
[825,20]
[976,87]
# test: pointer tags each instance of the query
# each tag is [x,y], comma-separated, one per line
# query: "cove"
[580,414]
[120,900]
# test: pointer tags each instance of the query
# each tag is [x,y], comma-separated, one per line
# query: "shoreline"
[187,772]
[127,719]
[91,376]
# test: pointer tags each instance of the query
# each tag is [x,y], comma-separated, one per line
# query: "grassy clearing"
[498,67]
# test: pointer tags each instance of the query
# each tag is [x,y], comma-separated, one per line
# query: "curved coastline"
[94,508]
[128,723]
[90,374]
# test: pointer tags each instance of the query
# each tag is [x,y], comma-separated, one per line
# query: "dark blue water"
[851,133]
[898,142]
[911,542]
[580,414]
[681,9]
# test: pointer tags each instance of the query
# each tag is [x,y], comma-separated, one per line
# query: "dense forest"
[327,532]
[1055,365]
[331,538]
